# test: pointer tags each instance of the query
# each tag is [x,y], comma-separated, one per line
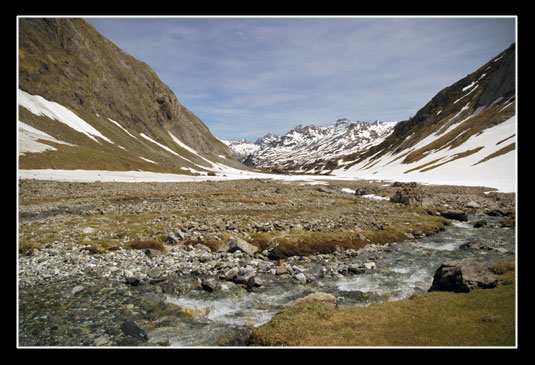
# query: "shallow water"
[402,269]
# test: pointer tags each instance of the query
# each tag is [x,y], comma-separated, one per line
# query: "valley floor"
[75,235]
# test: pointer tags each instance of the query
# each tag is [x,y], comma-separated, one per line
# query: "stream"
[400,270]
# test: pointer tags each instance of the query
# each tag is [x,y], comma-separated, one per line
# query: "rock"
[456,215]
[472,205]
[462,277]
[281,269]
[242,245]
[88,230]
[131,328]
[152,252]
[408,194]
[296,228]
[171,238]
[210,284]
[301,278]
[231,274]
[474,244]
[254,281]
[101,341]
[496,213]
[317,297]
[77,289]
[369,265]
[155,272]
[355,269]
[481,223]
[132,281]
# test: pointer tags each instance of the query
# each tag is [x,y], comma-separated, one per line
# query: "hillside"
[466,134]
[86,104]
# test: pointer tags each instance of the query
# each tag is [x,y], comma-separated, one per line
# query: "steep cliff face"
[67,61]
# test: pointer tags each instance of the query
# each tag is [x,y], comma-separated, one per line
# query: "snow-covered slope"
[485,159]
[465,135]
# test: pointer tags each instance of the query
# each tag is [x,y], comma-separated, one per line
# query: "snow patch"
[28,139]
[42,107]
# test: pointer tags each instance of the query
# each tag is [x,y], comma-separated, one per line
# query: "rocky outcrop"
[462,277]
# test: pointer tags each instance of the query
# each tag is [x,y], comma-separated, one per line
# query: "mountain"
[86,104]
[242,148]
[466,134]
[309,148]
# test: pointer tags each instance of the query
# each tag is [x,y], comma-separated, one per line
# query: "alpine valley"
[138,227]
[466,135]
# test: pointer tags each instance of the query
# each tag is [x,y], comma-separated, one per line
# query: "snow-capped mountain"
[307,148]
[242,148]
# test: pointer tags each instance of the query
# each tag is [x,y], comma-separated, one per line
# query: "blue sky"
[249,76]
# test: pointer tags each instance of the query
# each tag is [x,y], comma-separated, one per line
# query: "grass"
[484,317]
[309,242]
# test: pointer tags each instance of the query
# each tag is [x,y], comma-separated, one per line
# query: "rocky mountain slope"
[309,148]
[86,104]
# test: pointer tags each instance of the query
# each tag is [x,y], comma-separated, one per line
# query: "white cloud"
[241,71]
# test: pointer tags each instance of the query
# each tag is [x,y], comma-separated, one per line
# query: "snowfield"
[499,172]
[40,106]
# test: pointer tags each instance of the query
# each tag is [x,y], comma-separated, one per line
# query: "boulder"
[171,238]
[301,278]
[210,284]
[462,276]
[242,245]
[456,215]
[317,297]
[132,329]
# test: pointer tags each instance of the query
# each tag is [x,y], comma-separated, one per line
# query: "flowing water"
[401,270]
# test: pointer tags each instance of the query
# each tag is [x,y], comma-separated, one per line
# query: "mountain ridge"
[305,147]
[66,61]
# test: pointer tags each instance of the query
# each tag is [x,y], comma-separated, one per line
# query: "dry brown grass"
[484,317]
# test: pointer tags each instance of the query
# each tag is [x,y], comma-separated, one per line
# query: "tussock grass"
[146,244]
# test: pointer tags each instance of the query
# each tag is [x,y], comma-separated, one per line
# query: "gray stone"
[171,238]
[242,245]
[210,284]
[152,253]
[462,276]
[301,278]
[456,215]
[254,281]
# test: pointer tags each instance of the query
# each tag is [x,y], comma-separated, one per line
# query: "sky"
[245,77]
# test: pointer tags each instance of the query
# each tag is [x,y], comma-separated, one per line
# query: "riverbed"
[90,312]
